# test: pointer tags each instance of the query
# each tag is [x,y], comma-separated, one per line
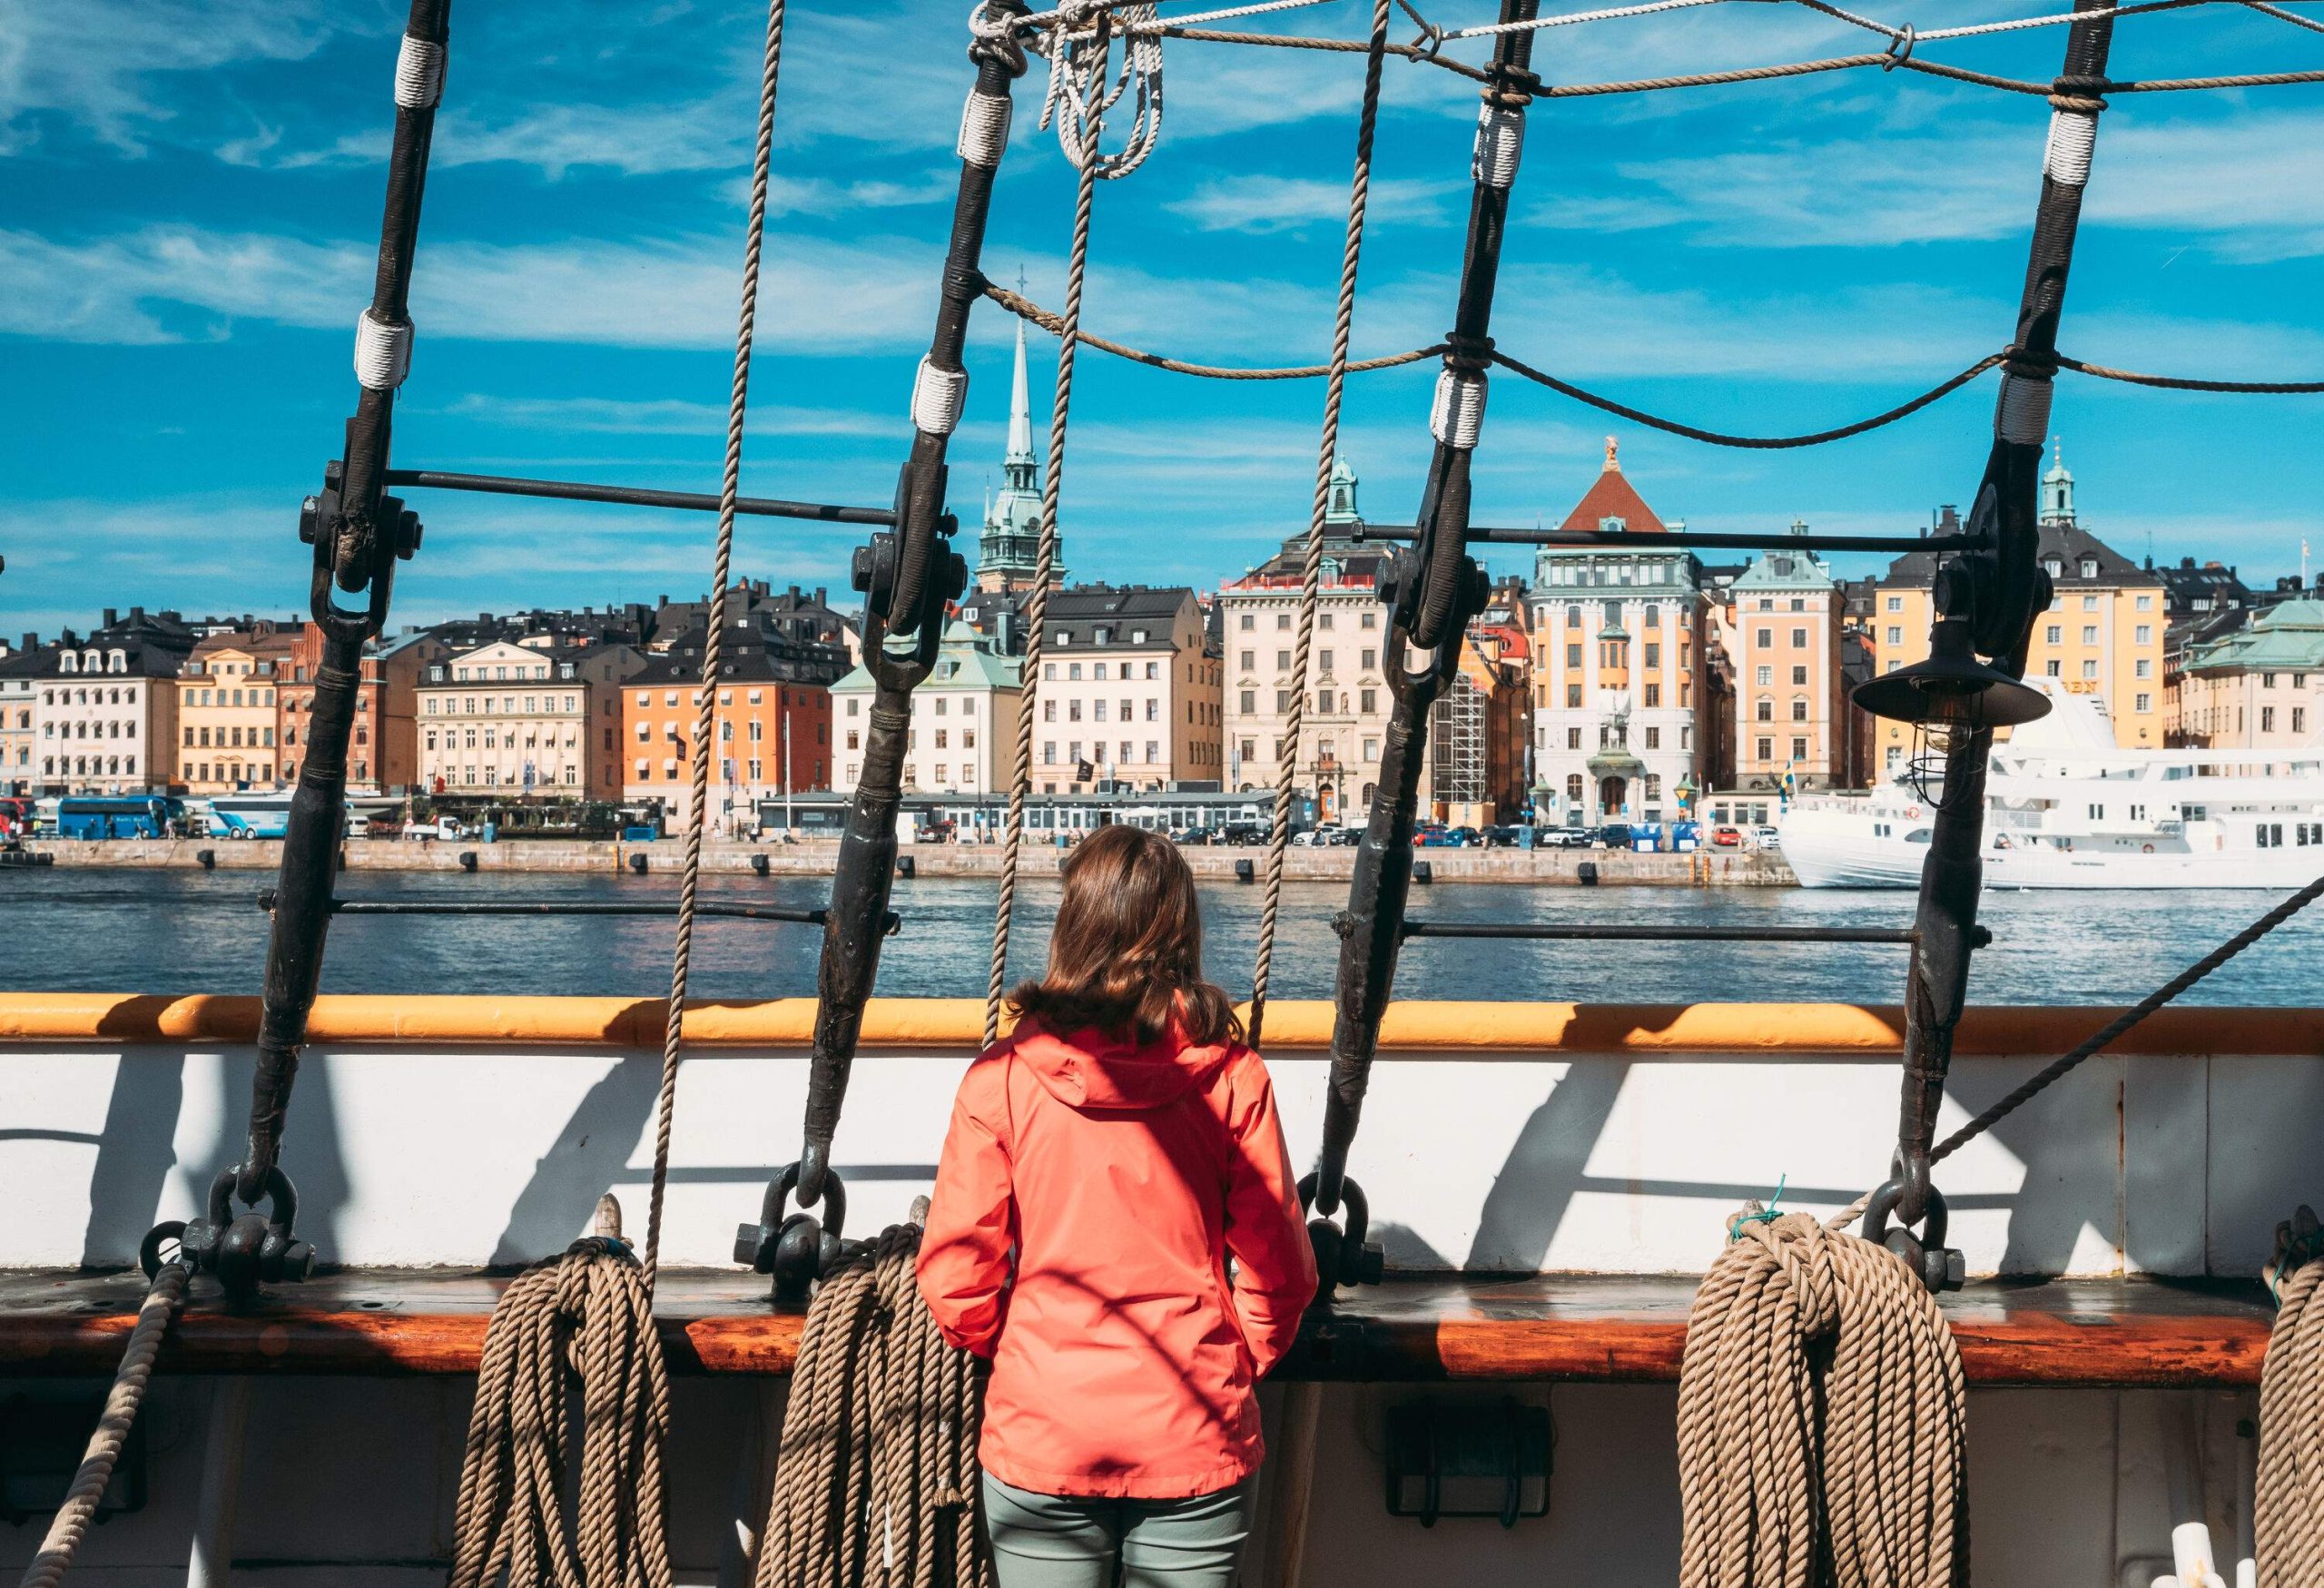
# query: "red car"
[1727,837]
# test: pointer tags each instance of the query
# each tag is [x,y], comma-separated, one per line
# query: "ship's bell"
[1951,688]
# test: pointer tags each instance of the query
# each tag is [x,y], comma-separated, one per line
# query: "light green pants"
[1071,1541]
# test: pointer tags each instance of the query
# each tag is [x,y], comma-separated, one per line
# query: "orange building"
[773,727]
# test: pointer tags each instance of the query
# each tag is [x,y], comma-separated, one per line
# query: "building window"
[1653,741]
[1654,695]
[1765,710]
[1249,699]
[1764,638]
[1799,749]
[1573,786]
[1763,676]
[1250,621]
[1573,738]
[1799,708]
[1798,676]
[2146,704]
[1767,749]
[1799,638]
[2267,719]
[1572,695]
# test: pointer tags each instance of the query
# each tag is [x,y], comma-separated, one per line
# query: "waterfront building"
[1130,692]
[229,716]
[1616,665]
[2260,687]
[963,734]
[20,672]
[105,706]
[1790,727]
[2103,635]
[1337,762]
[1482,725]
[772,721]
[520,719]
[382,746]
[1009,543]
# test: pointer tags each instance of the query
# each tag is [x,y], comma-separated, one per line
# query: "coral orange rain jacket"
[1123,1358]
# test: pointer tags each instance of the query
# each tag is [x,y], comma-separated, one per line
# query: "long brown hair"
[1126,955]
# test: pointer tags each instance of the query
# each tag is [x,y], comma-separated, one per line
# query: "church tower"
[2057,489]
[1009,544]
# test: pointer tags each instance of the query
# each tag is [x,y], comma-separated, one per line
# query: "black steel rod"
[1723,540]
[318,815]
[865,873]
[569,490]
[1372,930]
[1563,931]
[768,912]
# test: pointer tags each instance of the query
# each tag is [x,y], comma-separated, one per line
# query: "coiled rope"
[2287,1514]
[1311,566]
[875,1476]
[70,1524]
[1821,1419]
[587,1314]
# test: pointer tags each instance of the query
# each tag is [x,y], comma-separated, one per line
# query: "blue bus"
[118,817]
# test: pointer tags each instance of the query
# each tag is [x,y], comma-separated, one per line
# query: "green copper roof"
[2288,636]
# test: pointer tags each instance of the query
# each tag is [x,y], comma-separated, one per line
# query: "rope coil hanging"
[876,1476]
[1822,1419]
[589,1316]
[2288,1512]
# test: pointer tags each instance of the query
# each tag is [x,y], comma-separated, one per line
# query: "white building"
[516,719]
[963,733]
[1337,759]
[1129,692]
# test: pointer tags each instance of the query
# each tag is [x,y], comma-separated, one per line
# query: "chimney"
[137,614]
[32,642]
[113,616]
[821,591]
[1949,519]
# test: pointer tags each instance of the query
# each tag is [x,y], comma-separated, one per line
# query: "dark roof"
[747,658]
[2069,545]
[1078,614]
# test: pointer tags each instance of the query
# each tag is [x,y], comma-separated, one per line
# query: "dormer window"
[1613,524]
[2052,567]
[1137,636]
[2089,568]
[67,662]
[120,661]
[92,662]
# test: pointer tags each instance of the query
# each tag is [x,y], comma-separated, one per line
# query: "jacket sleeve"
[964,1264]
[1275,1267]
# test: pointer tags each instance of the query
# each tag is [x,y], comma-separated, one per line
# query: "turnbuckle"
[242,1251]
[800,1248]
[1344,1254]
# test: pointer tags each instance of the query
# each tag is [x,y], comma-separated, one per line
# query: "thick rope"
[1821,1420]
[1034,314]
[586,1315]
[2288,1512]
[705,707]
[1311,570]
[70,1524]
[875,1476]
[1037,599]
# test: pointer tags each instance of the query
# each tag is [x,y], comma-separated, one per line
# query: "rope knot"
[2029,363]
[2082,93]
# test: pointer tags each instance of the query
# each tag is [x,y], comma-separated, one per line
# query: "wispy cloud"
[665,417]
[1289,204]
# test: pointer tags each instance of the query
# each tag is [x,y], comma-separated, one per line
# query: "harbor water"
[173,931]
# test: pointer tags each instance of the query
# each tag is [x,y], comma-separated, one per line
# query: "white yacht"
[2066,807]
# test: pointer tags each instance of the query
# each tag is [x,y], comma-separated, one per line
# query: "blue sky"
[189,197]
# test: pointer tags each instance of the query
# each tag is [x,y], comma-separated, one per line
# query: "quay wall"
[814,858]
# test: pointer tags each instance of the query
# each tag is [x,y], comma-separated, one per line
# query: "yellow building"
[226,710]
[2101,636]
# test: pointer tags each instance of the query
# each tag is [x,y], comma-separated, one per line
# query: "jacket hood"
[1088,1070]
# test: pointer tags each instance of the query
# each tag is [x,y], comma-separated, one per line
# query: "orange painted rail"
[1475,1029]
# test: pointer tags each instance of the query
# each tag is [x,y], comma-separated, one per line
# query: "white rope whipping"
[984,129]
[419,73]
[937,396]
[2065,158]
[1458,416]
[382,353]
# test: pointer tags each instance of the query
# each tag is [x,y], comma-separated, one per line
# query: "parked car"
[446,828]
[1309,838]
[1193,837]
[1428,835]
[1338,837]
[1564,838]
[1509,836]
[1614,836]
[939,831]
[1765,838]
[1725,837]
[1244,832]
[1465,837]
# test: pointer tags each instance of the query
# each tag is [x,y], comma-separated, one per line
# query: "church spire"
[2057,488]
[1019,464]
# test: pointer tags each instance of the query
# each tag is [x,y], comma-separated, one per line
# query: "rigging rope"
[2288,1510]
[875,1478]
[70,1524]
[1311,566]
[1037,599]
[705,705]
[1076,96]
[2106,1037]
[589,1315]
[1822,1419]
